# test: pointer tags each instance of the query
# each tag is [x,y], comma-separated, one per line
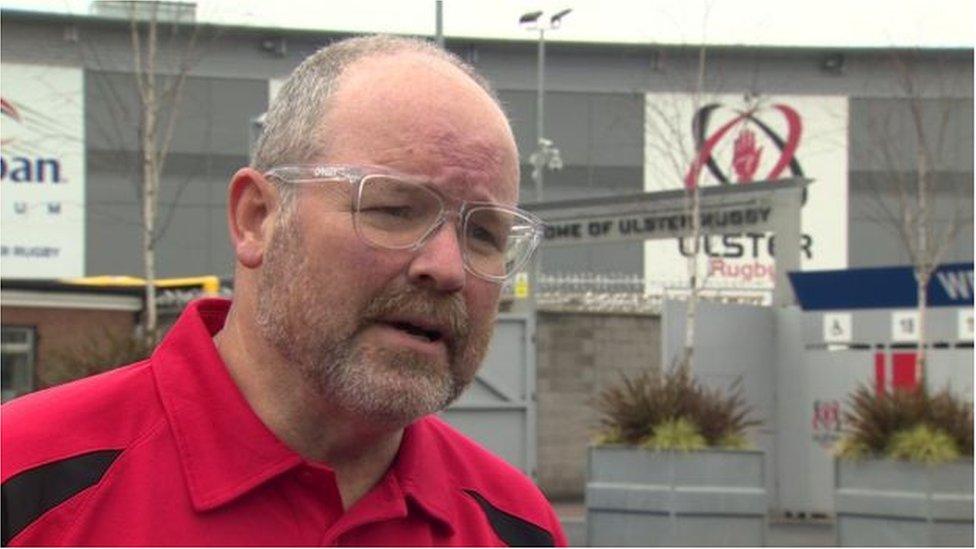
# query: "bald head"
[295,125]
[418,114]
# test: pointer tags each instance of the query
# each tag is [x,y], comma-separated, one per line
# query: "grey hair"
[296,120]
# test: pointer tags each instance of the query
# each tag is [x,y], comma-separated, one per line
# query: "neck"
[359,451]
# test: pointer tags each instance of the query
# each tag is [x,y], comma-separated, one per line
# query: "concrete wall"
[579,354]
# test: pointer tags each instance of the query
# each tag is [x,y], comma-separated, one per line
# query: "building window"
[16,361]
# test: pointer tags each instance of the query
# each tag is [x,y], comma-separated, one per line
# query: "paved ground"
[781,533]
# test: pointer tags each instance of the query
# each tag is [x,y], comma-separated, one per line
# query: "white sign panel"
[735,143]
[904,326]
[42,172]
[966,324]
[837,328]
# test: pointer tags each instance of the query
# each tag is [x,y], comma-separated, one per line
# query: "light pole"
[439,22]
[546,155]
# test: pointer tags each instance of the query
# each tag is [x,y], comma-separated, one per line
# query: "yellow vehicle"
[209,284]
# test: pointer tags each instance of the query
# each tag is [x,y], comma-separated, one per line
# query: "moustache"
[449,312]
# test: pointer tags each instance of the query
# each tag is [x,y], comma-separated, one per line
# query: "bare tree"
[165,45]
[911,213]
[119,122]
[693,206]
[164,48]
[159,82]
[668,119]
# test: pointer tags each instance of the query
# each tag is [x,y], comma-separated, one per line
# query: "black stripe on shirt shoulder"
[28,495]
[514,531]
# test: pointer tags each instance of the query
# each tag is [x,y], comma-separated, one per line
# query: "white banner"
[737,142]
[42,172]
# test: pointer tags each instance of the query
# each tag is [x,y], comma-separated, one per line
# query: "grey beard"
[357,379]
[390,387]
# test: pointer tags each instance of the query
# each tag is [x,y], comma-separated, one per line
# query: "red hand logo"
[745,157]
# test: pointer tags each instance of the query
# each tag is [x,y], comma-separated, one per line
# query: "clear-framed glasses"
[398,212]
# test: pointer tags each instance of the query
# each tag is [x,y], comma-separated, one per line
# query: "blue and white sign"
[42,170]
[882,288]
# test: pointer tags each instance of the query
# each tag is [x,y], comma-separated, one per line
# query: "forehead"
[418,115]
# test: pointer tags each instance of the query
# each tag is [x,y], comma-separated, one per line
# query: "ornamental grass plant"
[672,410]
[907,424]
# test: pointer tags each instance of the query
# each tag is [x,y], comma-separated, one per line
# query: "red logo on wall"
[747,153]
[826,421]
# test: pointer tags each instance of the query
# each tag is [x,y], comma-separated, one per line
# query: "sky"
[801,23]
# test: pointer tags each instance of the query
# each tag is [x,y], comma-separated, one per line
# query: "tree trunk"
[693,283]
[921,355]
[923,257]
[149,189]
[158,106]
[150,174]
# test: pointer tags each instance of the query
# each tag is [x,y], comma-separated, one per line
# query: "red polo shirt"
[168,452]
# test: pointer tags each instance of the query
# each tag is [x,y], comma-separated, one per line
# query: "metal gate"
[799,383]
[498,409]
[815,386]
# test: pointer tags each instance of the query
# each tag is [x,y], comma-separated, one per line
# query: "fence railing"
[626,293]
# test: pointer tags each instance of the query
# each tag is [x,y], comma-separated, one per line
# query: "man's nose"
[439,263]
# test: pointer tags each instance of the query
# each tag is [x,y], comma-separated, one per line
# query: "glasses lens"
[393,213]
[497,241]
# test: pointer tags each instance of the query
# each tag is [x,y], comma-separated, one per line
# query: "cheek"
[355,271]
[360,273]
[339,254]
[481,299]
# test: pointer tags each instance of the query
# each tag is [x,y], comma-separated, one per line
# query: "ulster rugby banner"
[42,172]
[730,142]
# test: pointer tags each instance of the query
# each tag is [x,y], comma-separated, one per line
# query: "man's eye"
[485,238]
[404,212]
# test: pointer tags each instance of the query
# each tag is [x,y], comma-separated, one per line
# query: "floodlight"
[530,17]
[555,20]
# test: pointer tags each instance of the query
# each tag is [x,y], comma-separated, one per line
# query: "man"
[371,234]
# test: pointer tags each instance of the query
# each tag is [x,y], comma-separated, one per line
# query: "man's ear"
[252,206]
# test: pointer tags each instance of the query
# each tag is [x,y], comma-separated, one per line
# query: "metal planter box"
[637,497]
[894,503]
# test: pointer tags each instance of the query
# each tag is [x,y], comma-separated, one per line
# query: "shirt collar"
[225,449]
[425,477]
